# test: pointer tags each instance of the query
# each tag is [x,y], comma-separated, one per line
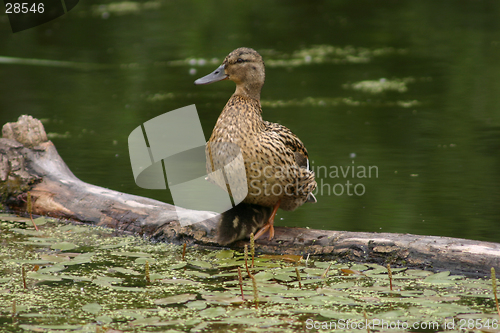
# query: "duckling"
[276,161]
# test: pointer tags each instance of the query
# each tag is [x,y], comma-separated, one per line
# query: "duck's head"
[243,66]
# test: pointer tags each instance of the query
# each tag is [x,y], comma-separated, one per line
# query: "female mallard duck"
[276,161]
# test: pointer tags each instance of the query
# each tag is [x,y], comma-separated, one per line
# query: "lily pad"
[54,258]
[418,272]
[240,312]
[251,321]
[13,218]
[156,276]
[350,271]
[325,264]
[75,277]
[50,327]
[35,243]
[233,274]
[143,260]
[52,269]
[177,266]
[133,289]
[198,274]
[439,278]
[315,300]
[264,276]
[224,254]
[31,261]
[284,257]
[109,279]
[272,288]
[63,246]
[39,315]
[80,259]
[41,221]
[391,314]
[338,315]
[281,299]
[313,272]
[339,300]
[299,293]
[342,285]
[228,263]
[359,267]
[179,281]
[223,299]
[113,246]
[145,321]
[93,308]
[213,312]
[122,270]
[200,264]
[26,231]
[177,299]
[43,277]
[284,277]
[74,228]
[131,254]
[197,305]
[106,281]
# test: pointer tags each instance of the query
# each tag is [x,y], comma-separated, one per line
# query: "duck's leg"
[270,223]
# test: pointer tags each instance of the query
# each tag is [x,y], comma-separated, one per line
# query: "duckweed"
[330,102]
[85,279]
[317,54]
[381,85]
[124,8]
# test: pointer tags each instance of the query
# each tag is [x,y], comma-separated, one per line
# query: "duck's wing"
[296,147]
[292,142]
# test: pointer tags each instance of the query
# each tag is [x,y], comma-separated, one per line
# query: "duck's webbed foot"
[270,224]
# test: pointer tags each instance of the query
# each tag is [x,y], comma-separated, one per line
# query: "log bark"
[30,162]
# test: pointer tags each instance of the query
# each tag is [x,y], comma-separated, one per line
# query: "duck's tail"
[240,221]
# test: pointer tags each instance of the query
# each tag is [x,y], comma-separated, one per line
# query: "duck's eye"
[240,60]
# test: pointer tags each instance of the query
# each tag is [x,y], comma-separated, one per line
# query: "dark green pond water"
[408,88]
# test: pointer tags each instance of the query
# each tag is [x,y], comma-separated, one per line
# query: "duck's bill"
[216,75]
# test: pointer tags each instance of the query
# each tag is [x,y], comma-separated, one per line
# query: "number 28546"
[23,8]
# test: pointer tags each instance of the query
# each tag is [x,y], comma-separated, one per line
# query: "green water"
[409,88]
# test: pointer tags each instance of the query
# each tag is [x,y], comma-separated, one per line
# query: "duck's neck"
[251,91]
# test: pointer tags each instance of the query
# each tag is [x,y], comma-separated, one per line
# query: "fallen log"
[30,162]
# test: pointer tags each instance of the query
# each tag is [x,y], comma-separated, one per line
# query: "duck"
[276,161]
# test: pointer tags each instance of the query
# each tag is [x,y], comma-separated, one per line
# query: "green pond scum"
[80,278]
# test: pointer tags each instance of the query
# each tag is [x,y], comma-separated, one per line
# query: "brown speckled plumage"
[276,161]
